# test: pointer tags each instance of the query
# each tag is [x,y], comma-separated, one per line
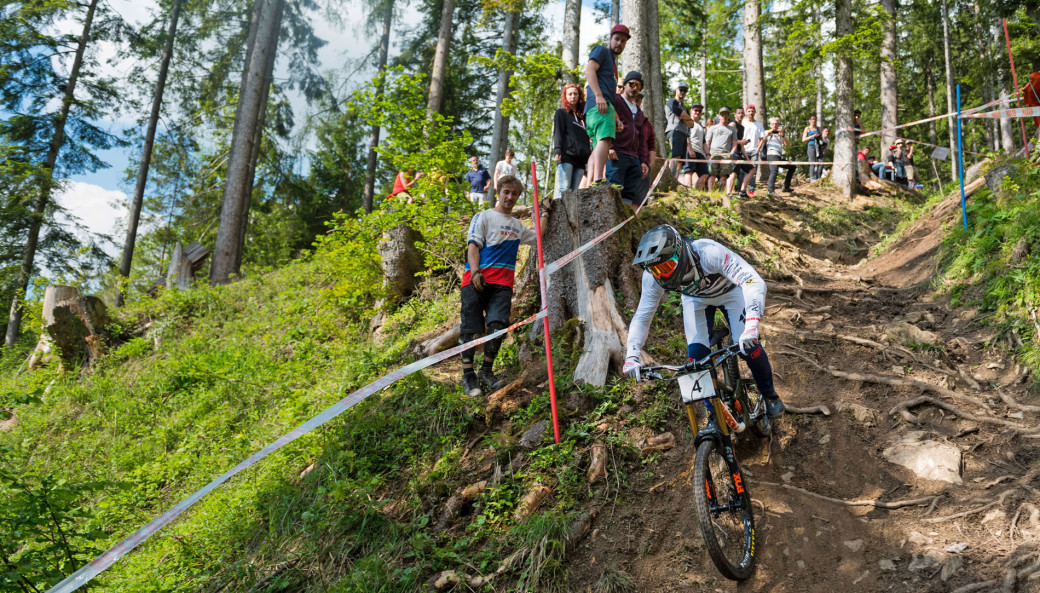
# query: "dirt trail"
[982,530]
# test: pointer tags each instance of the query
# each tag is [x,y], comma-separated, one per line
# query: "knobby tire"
[729,535]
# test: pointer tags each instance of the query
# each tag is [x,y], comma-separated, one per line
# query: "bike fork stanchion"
[545,302]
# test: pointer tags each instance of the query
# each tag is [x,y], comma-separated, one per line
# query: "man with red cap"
[600,115]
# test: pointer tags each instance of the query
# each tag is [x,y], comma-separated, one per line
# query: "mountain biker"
[707,276]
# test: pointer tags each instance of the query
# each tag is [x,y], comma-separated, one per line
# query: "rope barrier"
[1016,112]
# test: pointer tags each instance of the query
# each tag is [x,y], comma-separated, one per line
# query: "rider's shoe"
[489,381]
[774,407]
[470,385]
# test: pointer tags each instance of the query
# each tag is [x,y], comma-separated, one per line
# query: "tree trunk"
[704,64]
[571,39]
[500,126]
[75,323]
[952,120]
[251,103]
[584,289]
[933,136]
[653,102]
[146,154]
[1007,133]
[615,12]
[817,21]
[373,138]
[254,157]
[440,60]
[845,147]
[889,81]
[643,54]
[14,319]
[756,85]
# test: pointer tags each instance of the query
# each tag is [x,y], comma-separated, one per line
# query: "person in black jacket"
[571,146]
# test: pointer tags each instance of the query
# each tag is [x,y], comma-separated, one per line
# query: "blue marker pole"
[960,158]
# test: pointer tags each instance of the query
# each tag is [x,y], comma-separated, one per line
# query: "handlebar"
[713,359]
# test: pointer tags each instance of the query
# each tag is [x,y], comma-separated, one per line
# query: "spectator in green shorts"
[600,115]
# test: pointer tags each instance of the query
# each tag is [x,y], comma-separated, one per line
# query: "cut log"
[584,288]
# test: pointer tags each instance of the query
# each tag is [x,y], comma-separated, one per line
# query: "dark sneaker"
[599,183]
[774,407]
[742,194]
[470,385]
[489,381]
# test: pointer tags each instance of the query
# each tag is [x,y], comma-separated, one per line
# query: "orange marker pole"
[545,303]
[1014,79]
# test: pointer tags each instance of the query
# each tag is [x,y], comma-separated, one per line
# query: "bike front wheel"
[724,511]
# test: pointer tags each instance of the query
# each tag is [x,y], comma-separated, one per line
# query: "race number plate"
[696,387]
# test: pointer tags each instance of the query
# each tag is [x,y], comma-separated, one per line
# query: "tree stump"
[401,261]
[75,323]
[584,288]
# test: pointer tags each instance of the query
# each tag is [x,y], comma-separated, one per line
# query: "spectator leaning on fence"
[600,114]
[487,284]
[719,143]
[628,161]
[695,151]
[570,141]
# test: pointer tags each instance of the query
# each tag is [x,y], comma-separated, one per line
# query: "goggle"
[665,268]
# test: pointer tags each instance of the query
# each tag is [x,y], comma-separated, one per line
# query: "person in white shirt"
[753,132]
[503,168]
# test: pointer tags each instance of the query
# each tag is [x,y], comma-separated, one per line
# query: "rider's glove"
[632,367]
[749,339]
[477,280]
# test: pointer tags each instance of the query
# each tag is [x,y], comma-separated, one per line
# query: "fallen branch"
[672,483]
[893,381]
[898,504]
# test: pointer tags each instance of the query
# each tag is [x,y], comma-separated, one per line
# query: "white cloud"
[100,210]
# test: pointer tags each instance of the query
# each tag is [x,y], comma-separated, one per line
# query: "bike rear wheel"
[724,512]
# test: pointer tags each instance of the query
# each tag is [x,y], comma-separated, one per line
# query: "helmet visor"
[665,268]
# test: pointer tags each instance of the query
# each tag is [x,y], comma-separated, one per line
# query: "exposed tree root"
[1013,404]
[897,504]
[926,399]
[821,409]
[893,381]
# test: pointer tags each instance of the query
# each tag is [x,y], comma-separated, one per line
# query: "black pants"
[774,169]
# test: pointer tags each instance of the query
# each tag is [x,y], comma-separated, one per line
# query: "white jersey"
[723,271]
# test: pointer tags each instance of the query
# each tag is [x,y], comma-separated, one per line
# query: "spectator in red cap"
[600,115]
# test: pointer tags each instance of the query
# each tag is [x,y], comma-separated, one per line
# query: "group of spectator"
[898,168]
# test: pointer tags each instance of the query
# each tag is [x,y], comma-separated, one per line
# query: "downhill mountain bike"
[723,505]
